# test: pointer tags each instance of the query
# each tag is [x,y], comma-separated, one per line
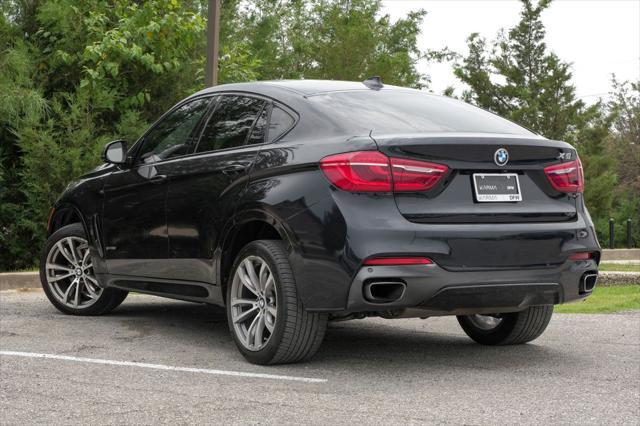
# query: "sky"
[599,37]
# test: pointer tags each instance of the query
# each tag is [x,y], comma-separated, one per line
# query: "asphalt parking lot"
[158,361]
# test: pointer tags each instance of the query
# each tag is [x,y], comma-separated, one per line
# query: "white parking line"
[163,367]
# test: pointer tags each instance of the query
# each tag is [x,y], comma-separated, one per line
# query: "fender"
[256,214]
[90,225]
[58,213]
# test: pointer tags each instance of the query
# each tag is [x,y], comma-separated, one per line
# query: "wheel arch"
[248,226]
[63,215]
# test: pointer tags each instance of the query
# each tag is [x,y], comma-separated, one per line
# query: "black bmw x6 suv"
[294,203]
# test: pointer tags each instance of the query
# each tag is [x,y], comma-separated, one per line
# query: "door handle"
[234,169]
[158,179]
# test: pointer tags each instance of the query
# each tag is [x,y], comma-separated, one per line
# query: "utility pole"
[213,38]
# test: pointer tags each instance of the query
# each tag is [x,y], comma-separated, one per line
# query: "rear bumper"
[438,291]
[332,238]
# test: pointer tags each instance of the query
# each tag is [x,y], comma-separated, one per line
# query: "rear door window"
[260,127]
[231,122]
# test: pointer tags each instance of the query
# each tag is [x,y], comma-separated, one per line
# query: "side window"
[230,123]
[260,128]
[172,136]
[280,122]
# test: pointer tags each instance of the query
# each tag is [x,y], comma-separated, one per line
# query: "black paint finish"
[172,224]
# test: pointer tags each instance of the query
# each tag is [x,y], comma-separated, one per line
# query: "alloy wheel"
[253,303]
[69,273]
[486,322]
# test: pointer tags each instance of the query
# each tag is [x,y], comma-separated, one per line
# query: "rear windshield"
[397,111]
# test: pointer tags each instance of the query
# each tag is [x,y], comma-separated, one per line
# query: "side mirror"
[115,152]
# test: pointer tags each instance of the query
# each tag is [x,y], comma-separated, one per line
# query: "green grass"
[605,300]
[620,267]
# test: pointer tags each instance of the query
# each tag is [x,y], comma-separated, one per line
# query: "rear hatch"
[491,179]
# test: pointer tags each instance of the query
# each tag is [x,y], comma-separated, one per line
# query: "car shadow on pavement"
[396,348]
[357,345]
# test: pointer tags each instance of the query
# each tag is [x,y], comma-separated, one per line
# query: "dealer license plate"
[492,187]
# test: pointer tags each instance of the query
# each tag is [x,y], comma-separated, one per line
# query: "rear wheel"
[507,329]
[67,276]
[265,313]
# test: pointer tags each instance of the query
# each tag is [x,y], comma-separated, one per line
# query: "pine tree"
[518,78]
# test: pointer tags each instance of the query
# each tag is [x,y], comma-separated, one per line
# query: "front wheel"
[265,313]
[67,276]
[507,329]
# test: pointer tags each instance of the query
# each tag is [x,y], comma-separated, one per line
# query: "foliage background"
[74,75]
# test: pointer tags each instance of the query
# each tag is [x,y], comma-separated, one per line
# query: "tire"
[67,249]
[512,329]
[294,335]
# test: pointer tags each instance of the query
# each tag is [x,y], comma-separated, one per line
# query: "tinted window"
[172,136]
[230,123]
[279,123]
[260,128]
[395,111]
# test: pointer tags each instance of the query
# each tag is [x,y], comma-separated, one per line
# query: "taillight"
[411,175]
[397,261]
[372,171]
[566,177]
[364,171]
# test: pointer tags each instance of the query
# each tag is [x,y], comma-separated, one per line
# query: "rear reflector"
[397,261]
[372,171]
[566,177]
[582,255]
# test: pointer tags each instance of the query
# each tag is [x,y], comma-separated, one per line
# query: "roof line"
[280,86]
[365,89]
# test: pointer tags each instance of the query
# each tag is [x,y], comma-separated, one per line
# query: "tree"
[518,78]
[75,74]
[332,39]
[624,149]
[625,108]
[20,102]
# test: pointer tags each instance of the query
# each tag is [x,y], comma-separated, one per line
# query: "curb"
[14,280]
[620,254]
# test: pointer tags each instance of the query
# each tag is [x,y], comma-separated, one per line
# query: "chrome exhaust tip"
[588,282]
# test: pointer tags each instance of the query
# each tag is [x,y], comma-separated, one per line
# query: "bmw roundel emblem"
[501,157]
